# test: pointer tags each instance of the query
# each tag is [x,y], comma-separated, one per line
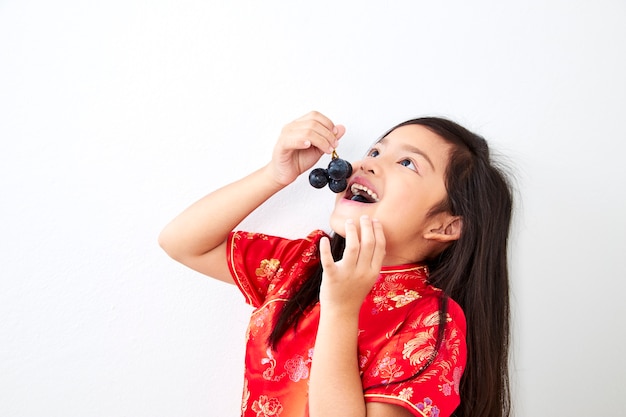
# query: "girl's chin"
[338,226]
[343,212]
[338,221]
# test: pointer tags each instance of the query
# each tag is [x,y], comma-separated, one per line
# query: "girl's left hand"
[346,283]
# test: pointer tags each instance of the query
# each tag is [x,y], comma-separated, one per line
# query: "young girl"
[403,311]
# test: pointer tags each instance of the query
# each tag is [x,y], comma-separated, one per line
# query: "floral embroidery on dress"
[267,407]
[268,268]
[427,408]
[454,384]
[310,254]
[457,374]
[406,393]
[406,298]
[387,369]
[428,320]
[389,294]
[363,359]
[421,347]
[268,374]
[258,322]
[260,318]
[297,368]
[252,236]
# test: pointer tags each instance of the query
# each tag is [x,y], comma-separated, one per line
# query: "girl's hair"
[472,271]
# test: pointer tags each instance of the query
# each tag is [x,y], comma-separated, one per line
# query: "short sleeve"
[258,262]
[435,391]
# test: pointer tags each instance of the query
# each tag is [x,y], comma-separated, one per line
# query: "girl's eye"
[409,164]
[373,153]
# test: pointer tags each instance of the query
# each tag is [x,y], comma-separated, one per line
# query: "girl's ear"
[447,230]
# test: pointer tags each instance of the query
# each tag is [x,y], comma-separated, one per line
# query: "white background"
[116,115]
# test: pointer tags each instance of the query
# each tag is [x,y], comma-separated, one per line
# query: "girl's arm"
[335,384]
[197,237]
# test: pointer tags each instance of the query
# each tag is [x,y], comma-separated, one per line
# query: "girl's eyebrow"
[411,149]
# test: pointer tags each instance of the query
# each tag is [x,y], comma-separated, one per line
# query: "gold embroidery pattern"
[419,348]
[268,268]
[267,407]
[391,293]
[387,369]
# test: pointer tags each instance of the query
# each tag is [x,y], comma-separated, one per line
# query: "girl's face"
[399,181]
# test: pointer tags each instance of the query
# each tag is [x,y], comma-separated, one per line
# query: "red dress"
[398,326]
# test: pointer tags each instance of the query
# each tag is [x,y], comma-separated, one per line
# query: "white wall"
[116,115]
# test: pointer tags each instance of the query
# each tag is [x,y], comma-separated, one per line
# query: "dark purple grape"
[337,186]
[318,178]
[339,169]
[349,170]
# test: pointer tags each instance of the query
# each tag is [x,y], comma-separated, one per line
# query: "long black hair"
[473,270]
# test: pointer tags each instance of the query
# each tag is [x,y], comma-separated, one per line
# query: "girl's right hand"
[346,283]
[302,143]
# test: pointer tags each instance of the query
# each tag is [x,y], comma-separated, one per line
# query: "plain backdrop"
[116,115]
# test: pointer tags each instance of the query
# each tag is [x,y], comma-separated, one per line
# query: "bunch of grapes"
[336,175]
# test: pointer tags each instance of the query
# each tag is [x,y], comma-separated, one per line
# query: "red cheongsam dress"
[398,327]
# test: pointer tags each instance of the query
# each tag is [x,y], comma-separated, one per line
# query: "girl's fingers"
[339,131]
[368,240]
[320,118]
[372,245]
[320,137]
[326,256]
[354,275]
[319,131]
[300,137]
[352,249]
[379,250]
[368,249]
[301,144]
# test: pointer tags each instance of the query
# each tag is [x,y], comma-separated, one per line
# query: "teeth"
[356,188]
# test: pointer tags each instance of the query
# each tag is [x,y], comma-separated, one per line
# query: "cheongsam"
[398,329]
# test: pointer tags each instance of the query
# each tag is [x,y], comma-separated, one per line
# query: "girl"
[371,321]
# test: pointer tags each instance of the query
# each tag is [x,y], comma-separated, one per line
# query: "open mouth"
[360,193]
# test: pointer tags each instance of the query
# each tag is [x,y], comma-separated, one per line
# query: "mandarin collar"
[403,268]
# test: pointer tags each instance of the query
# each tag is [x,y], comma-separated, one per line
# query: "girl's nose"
[369,165]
